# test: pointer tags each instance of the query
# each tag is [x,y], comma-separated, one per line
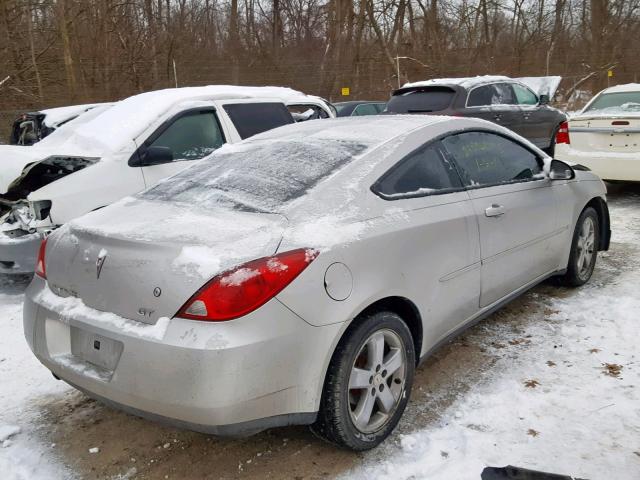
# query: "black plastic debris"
[516,473]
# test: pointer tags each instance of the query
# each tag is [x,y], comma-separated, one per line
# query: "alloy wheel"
[377,380]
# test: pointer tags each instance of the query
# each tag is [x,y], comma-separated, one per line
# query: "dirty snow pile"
[568,405]
[25,387]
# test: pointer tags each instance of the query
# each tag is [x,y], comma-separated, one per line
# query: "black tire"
[578,273]
[335,422]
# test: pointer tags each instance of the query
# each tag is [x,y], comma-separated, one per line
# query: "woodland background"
[60,52]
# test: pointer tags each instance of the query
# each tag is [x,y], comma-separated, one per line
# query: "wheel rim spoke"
[393,361]
[364,409]
[386,401]
[359,379]
[375,350]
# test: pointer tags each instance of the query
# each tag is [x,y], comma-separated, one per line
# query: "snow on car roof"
[53,116]
[466,82]
[130,117]
[541,85]
[627,87]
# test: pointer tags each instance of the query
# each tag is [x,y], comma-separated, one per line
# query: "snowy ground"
[550,382]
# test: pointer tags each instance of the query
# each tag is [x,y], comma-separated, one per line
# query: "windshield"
[260,176]
[423,100]
[620,101]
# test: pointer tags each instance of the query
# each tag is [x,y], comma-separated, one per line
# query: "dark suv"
[501,100]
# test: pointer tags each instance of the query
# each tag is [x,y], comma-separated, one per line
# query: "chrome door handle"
[494,210]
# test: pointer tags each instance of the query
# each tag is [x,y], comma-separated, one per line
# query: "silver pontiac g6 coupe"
[300,277]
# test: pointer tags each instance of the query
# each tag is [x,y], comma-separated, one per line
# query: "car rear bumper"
[607,165]
[225,378]
[19,255]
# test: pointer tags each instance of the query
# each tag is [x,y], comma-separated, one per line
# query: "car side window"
[485,158]
[192,136]
[423,172]
[253,118]
[481,96]
[524,96]
[494,94]
[365,109]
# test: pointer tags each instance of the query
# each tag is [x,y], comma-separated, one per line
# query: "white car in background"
[31,127]
[605,135]
[125,149]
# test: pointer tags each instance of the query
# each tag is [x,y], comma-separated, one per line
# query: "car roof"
[129,117]
[465,82]
[370,130]
[627,87]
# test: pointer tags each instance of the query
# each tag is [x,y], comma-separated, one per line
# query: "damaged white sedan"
[300,276]
[123,150]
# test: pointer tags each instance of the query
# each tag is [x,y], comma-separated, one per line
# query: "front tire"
[368,383]
[584,249]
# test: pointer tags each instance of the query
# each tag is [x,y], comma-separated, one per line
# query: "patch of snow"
[238,277]
[54,116]
[24,385]
[8,431]
[466,82]
[579,416]
[205,261]
[72,307]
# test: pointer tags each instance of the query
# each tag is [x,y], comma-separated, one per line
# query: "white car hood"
[542,85]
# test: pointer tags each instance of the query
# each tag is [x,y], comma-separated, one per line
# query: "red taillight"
[41,270]
[562,136]
[243,289]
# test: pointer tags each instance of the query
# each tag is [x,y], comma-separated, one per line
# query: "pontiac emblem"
[102,256]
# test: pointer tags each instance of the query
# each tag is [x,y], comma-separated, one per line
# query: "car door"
[536,124]
[494,102]
[516,209]
[435,246]
[190,135]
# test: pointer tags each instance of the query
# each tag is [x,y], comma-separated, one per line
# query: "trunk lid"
[142,260]
[616,134]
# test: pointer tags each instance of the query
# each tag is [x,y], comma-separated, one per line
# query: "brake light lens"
[245,288]
[41,269]
[562,136]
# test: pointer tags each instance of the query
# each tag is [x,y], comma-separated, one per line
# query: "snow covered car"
[605,135]
[128,147]
[520,104]
[300,276]
[31,127]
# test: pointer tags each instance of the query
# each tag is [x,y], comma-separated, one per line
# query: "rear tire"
[368,383]
[584,249]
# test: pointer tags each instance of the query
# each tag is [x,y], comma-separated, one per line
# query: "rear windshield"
[253,118]
[423,100]
[623,101]
[261,176]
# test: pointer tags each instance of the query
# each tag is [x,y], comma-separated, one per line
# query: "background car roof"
[627,87]
[370,130]
[129,117]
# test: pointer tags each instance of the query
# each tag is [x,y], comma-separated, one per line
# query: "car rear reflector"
[41,270]
[245,288]
[620,122]
[562,135]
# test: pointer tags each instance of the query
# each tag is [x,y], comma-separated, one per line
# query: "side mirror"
[544,99]
[561,171]
[156,156]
